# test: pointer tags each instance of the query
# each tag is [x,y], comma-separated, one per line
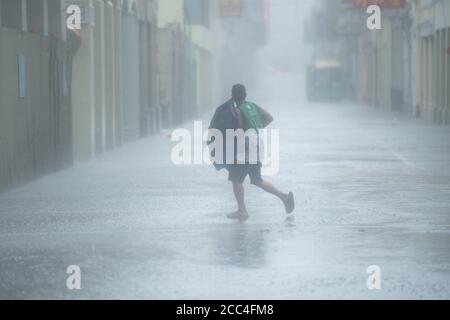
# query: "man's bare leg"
[239,194]
[286,198]
[270,188]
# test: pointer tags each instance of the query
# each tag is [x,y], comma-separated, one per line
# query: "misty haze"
[109,110]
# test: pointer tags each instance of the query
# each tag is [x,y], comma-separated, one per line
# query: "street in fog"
[94,206]
[372,188]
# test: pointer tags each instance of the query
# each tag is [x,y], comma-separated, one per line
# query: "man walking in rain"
[244,116]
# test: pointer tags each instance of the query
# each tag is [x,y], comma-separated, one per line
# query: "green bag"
[251,114]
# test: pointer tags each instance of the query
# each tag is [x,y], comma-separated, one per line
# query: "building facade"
[36,55]
[114,80]
[187,63]
[71,95]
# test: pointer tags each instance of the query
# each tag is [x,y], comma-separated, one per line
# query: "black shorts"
[238,172]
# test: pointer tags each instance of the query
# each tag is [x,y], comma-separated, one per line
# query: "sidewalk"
[371,190]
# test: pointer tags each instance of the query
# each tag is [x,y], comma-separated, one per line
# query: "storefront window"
[54,18]
[35,16]
[11,14]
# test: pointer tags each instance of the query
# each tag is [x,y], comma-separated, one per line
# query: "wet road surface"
[372,188]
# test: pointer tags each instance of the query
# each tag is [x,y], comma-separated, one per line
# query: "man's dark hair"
[239,92]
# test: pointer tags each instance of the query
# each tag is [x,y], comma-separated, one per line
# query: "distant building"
[405,66]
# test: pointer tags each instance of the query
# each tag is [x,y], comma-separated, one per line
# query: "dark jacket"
[224,118]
